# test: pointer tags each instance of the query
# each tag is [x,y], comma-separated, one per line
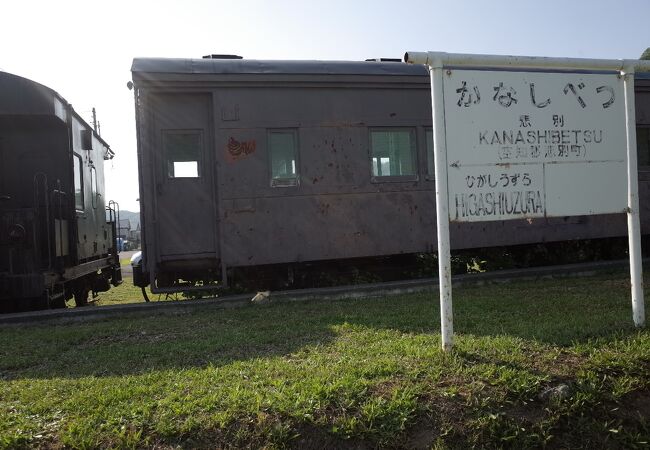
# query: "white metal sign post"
[527,138]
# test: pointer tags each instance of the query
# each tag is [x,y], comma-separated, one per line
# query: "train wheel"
[81,295]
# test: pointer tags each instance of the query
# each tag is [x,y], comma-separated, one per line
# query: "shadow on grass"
[553,312]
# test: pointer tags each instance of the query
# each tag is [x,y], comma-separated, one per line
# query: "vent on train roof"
[384,60]
[222,57]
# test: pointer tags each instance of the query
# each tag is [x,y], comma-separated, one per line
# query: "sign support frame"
[436,62]
[633,220]
[442,206]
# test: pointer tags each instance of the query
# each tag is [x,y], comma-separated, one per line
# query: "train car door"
[185,206]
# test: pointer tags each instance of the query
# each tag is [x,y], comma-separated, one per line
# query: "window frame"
[430,157]
[289,181]
[165,160]
[414,155]
[78,157]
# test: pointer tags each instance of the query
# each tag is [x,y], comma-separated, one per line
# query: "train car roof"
[20,96]
[207,66]
[270,67]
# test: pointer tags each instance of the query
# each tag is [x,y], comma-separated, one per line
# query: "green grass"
[349,373]
[124,293]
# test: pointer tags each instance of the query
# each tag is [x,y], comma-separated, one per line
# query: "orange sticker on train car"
[236,150]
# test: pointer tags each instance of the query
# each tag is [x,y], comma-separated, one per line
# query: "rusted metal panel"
[330,226]
[336,211]
[184,204]
[336,195]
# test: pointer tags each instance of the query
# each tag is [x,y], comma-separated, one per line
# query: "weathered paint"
[534,144]
[337,211]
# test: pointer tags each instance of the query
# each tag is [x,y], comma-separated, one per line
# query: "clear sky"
[83,49]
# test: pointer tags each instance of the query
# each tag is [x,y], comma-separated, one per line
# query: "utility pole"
[94,119]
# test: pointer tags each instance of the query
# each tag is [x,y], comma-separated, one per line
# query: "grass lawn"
[352,373]
[124,293]
[125,261]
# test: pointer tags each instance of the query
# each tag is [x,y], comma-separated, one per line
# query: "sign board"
[534,144]
[538,137]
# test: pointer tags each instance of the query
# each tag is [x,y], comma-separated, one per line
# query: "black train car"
[55,240]
[248,163]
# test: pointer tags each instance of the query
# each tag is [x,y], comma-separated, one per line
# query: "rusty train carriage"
[245,163]
[55,241]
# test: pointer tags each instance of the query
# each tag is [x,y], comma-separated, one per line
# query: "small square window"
[392,152]
[182,154]
[86,139]
[78,183]
[283,152]
[431,157]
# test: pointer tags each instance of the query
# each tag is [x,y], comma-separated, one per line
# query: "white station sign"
[534,144]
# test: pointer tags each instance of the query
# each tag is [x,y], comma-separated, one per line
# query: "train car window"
[431,168]
[643,146]
[86,139]
[78,183]
[283,153]
[392,152]
[182,153]
[93,186]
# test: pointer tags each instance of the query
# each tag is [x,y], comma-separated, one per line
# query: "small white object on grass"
[261,298]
